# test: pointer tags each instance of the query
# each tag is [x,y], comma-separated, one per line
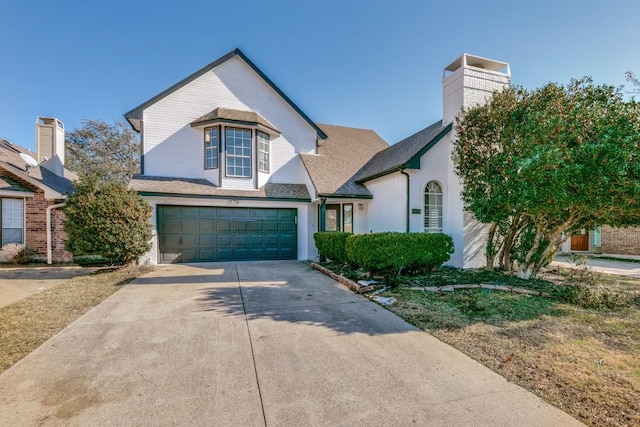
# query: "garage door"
[199,233]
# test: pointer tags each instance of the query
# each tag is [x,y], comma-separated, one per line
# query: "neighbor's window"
[12,221]
[238,149]
[211,144]
[263,152]
[433,208]
[347,218]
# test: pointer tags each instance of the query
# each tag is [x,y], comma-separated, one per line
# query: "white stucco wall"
[306,220]
[387,210]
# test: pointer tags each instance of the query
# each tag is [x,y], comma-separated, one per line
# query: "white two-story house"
[235,170]
[221,159]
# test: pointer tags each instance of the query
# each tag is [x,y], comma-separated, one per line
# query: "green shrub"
[331,244]
[107,219]
[394,252]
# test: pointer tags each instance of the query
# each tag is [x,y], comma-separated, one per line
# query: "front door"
[580,242]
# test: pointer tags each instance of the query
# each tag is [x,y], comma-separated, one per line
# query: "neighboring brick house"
[32,195]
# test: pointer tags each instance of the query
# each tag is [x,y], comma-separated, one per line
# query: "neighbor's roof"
[228,115]
[189,187]
[135,115]
[404,154]
[54,186]
[344,152]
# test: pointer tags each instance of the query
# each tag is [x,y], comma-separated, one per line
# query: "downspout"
[49,249]
[408,187]
[322,214]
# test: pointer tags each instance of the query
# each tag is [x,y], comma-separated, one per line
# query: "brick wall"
[35,209]
[621,241]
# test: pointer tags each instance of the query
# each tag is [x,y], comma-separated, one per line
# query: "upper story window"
[263,152]
[238,150]
[211,146]
[433,208]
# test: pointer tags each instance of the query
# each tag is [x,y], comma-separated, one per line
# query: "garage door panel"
[286,240]
[201,233]
[206,212]
[224,240]
[224,255]
[271,239]
[189,212]
[240,226]
[256,240]
[240,240]
[207,240]
[287,227]
[206,225]
[271,226]
[222,225]
[189,226]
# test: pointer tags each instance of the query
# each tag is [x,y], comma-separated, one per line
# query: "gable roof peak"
[134,117]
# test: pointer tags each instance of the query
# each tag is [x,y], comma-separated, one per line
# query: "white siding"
[173,148]
[387,210]
[306,223]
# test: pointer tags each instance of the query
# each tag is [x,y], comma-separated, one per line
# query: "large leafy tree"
[104,151]
[107,219]
[540,165]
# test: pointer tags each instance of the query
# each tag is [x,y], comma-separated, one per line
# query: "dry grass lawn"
[585,361]
[26,324]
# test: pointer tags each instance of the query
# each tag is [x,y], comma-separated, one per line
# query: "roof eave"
[49,193]
[345,196]
[414,161]
[218,196]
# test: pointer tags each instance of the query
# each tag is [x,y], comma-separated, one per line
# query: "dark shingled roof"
[344,152]
[404,154]
[226,115]
[148,185]
[40,177]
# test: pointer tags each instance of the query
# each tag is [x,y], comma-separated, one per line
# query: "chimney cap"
[466,60]
[49,121]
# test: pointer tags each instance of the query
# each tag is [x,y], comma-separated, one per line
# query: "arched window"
[433,208]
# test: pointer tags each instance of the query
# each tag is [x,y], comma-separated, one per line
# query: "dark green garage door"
[199,233]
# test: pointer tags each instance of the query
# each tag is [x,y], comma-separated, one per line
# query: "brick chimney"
[469,81]
[50,144]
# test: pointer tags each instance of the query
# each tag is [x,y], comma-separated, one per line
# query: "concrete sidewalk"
[609,266]
[259,343]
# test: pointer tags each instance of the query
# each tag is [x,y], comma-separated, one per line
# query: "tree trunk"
[491,250]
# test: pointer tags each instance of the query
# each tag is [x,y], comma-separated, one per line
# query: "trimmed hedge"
[331,244]
[391,252]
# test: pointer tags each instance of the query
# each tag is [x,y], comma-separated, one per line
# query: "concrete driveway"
[255,343]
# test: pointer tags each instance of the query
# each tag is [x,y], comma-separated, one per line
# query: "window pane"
[12,221]
[263,152]
[238,150]
[347,217]
[211,142]
[433,207]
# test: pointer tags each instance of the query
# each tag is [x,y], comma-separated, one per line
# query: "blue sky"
[372,64]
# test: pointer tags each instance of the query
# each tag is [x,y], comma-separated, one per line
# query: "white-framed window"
[238,152]
[433,208]
[211,147]
[12,221]
[263,152]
